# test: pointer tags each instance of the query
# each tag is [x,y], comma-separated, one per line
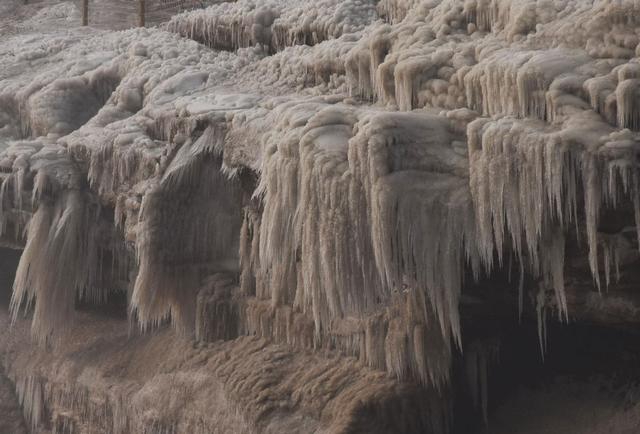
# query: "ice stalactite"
[276,252]
[189,221]
[614,95]
[360,66]
[122,161]
[541,178]
[407,78]
[331,19]
[552,269]
[62,256]
[274,25]
[611,256]
[305,184]
[479,356]
[516,83]
[394,11]
[514,18]
[115,164]
[425,252]
[227,26]
[537,78]
[602,97]
[429,68]
[31,397]
[627,96]
[420,80]
[541,316]
[62,260]
[484,14]
[414,345]
[526,189]
[535,198]
[71,253]
[341,234]
[28,284]
[422,232]
[609,181]
[493,147]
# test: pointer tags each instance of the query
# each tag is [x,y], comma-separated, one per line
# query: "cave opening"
[9,259]
[589,375]
[11,419]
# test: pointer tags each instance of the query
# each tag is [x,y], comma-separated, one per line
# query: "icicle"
[627,94]
[610,256]
[478,358]
[61,259]
[521,291]
[592,204]
[636,205]
[552,268]
[235,25]
[337,192]
[30,395]
[541,312]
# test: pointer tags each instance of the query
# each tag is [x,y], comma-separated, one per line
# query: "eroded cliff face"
[303,216]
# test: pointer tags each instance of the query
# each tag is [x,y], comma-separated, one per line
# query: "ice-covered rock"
[354,163]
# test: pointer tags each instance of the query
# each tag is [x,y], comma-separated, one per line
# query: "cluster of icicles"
[273,25]
[362,215]
[367,214]
[60,404]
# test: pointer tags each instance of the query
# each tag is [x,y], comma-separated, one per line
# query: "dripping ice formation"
[355,163]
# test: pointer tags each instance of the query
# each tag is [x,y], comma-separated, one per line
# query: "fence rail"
[122,14]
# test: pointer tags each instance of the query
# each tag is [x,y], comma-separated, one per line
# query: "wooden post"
[85,12]
[141,13]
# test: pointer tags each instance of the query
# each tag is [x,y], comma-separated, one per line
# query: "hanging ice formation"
[391,156]
[188,223]
[273,25]
[480,355]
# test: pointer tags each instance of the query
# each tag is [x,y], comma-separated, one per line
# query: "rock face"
[306,216]
[12,421]
[102,379]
